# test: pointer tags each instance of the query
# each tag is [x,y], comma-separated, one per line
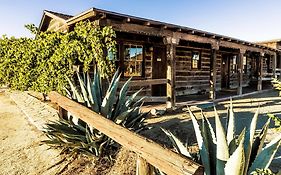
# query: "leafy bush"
[75,135]
[42,63]
[225,153]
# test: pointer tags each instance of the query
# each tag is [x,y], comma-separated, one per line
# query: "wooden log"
[171,73]
[213,75]
[143,168]
[260,71]
[274,65]
[240,72]
[166,160]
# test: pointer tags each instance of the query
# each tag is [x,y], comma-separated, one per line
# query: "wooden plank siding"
[188,80]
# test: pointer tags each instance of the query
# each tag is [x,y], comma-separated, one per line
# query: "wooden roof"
[100,13]
[60,15]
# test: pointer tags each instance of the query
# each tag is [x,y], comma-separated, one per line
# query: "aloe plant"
[75,135]
[224,153]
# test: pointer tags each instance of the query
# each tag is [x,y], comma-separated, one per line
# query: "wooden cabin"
[276,44]
[170,61]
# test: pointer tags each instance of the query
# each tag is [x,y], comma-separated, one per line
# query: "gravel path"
[20,148]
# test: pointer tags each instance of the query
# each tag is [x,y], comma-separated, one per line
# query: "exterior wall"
[55,25]
[188,80]
[148,56]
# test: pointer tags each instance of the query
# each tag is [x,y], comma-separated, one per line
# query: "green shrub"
[42,63]
[226,153]
[75,135]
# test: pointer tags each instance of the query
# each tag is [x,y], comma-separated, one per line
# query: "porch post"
[240,71]
[260,71]
[274,62]
[171,44]
[213,72]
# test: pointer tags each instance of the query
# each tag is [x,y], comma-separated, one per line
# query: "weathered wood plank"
[145,82]
[164,159]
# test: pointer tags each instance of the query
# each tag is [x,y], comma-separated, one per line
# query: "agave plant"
[224,153]
[75,135]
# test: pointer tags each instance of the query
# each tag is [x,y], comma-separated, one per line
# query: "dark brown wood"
[171,66]
[147,82]
[213,75]
[260,71]
[159,71]
[240,72]
[274,64]
[166,160]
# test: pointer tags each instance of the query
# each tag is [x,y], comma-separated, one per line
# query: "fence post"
[143,168]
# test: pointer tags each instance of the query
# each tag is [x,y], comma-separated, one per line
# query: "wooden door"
[225,72]
[159,70]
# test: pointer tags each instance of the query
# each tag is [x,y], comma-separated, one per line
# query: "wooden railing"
[166,160]
[146,82]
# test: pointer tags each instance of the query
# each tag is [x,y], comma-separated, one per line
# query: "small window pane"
[195,60]
[133,60]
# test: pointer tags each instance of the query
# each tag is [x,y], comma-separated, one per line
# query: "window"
[234,64]
[196,60]
[133,60]
[245,67]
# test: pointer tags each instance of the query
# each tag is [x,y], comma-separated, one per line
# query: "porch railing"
[149,82]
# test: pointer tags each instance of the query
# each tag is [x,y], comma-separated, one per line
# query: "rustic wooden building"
[170,61]
[276,44]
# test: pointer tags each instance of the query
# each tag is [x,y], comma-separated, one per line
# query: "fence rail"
[146,82]
[166,160]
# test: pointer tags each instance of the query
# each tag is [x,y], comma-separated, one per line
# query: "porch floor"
[224,93]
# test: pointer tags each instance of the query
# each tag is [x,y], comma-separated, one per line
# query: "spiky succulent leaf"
[249,139]
[259,142]
[110,98]
[83,90]
[120,107]
[75,94]
[132,98]
[177,143]
[203,150]
[265,157]
[222,146]
[235,163]
[96,90]
[209,140]
[231,124]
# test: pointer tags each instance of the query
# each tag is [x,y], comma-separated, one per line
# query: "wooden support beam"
[147,23]
[213,72]
[127,20]
[240,71]
[171,43]
[166,160]
[260,71]
[274,64]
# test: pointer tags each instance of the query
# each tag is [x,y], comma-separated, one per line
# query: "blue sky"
[252,20]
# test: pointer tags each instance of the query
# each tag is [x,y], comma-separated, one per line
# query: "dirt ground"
[20,148]
[22,153]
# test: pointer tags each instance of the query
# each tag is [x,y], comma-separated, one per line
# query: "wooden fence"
[164,159]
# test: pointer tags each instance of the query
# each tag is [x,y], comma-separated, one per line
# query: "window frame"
[199,60]
[123,58]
